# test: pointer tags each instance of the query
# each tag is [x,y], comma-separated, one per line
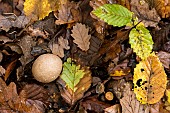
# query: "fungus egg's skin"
[46,68]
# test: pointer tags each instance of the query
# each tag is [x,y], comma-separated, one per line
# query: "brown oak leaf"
[81,37]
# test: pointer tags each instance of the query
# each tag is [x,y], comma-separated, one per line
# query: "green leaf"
[141,41]
[114,14]
[71,74]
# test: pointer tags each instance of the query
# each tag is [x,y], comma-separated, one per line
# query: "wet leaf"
[130,104]
[141,41]
[81,36]
[40,8]
[149,80]
[77,81]
[114,14]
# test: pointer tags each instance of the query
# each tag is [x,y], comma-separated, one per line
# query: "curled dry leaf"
[77,80]
[148,16]
[130,104]
[81,37]
[149,80]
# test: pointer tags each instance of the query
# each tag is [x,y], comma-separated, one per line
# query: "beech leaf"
[77,81]
[130,104]
[149,80]
[114,14]
[81,37]
[141,41]
[40,8]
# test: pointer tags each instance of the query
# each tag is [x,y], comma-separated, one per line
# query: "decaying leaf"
[114,14]
[58,48]
[40,8]
[77,81]
[81,36]
[130,104]
[6,22]
[148,16]
[113,109]
[121,69]
[161,6]
[164,57]
[149,80]
[10,100]
[94,105]
[64,14]
[141,41]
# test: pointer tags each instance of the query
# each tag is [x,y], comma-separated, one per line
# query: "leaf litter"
[109,63]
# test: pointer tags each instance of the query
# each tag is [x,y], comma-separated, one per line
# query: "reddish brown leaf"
[113,109]
[81,37]
[164,57]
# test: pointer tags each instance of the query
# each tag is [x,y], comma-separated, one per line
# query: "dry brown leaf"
[64,14]
[10,100]
[164,57]
[130,104]
[81,37]
[121,69]
[94,105]
[2,71]
[6,22]
[113,109]
[58,48]
[161,6]
[148,16]
[71,96]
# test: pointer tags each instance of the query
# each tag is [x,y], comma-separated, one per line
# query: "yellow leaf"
[40,8]
[149,80]
[168,95]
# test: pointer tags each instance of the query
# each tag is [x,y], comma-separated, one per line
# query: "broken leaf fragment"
[40,8]
[149,80]
[77,80]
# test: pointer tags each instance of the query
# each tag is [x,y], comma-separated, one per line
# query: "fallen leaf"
[148,16]
[113,109]
[76,81]
[81,37]
[94,105]
[130,104]
[64,14]
[161,6]
[164,57]
[6,22]
[58,48]
[2,71]
[141,41]
[149,80]
[121,69]
[40,9]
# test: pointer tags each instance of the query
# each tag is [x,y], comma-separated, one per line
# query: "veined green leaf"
[71,74]
[141,41]
[114,14]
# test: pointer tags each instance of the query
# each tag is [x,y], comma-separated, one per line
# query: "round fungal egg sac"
[46,68]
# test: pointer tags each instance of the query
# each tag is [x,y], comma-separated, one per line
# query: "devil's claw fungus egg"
[46,68]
